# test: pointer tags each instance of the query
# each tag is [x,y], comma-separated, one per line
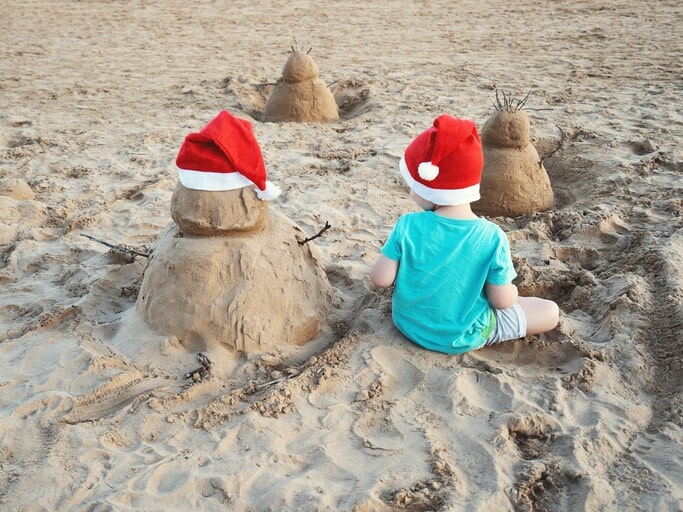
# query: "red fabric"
[454,146]
[227,144]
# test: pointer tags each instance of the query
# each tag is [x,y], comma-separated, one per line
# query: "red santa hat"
[443,164]
[224,155]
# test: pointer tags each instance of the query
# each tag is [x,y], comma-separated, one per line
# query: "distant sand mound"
[514,181]
[300,95]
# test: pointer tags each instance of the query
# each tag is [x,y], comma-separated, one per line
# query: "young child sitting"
[452,271]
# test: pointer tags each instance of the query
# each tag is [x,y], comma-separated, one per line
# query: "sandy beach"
[96,412]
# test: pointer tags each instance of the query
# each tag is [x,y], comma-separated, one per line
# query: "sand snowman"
[514,181]
[300,95]
[230,272]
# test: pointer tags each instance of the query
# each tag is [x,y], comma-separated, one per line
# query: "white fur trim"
[439,196]
[271,192]
[427,171]
[218,181]
[212,181]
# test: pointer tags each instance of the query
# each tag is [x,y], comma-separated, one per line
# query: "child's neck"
[460,211]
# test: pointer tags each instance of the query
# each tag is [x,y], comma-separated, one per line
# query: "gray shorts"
[510,325]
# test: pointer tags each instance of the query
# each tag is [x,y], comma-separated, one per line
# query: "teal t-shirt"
[439,300]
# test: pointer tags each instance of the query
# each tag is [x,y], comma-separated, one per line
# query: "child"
[452,271]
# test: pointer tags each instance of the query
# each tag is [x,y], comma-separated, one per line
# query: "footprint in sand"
[531,435]
[399,376]
[614,231]
[166,479]
[398,379]
[587,258]
[483,390]
[379,433]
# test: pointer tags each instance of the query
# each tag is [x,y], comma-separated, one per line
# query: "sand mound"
[19,212]
[16,189]
[248,291]
[300,95]
[514,181]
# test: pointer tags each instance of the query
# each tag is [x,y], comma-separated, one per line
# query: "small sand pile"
[300,95]
[229,271]
[514,181]
[18,209]
[16,189]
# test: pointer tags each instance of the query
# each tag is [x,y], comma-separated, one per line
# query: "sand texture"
[100,412]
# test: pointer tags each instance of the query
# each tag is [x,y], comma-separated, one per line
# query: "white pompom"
[427,171]
[271,192]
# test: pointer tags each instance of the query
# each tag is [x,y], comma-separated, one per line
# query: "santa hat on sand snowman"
[443,164]
[224,155]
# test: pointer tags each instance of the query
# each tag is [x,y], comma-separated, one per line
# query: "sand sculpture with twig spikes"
[300,95]
[514,181]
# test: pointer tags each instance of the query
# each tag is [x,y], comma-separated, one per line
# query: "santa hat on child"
[443,164]
[224,155]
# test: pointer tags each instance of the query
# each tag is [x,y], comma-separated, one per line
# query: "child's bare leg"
[542,315]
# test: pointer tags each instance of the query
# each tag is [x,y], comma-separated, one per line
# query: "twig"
[559,146]
[120,248]
[508,103]
[498,105]
[204,360]
[295,47]
[318,234]
[264,384]
[521,103]
[203,371]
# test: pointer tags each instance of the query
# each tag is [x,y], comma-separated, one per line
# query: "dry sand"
[95,410]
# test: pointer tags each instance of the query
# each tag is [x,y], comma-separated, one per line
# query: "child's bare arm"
[384,272]
[501,296]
